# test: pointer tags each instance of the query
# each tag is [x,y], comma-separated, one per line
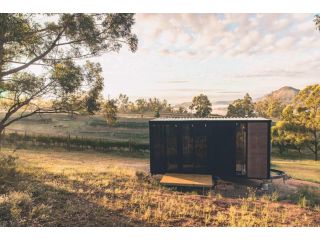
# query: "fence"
[18,139]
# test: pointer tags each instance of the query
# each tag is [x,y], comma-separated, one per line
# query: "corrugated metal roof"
[210,119]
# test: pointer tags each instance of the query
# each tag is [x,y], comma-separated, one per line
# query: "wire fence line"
[23,138]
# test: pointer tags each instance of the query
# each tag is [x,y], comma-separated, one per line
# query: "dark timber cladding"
[225,147]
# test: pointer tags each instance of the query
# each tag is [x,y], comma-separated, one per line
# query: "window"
[172,146]
[241,148]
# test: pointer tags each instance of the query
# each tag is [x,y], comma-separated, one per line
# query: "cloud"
[271,73]
[201,90]
[191,35]
[173,81]
[229,92]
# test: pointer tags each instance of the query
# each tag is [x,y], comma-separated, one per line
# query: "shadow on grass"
[69,204]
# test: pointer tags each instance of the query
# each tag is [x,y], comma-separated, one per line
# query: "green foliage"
[303,117]
[317,21]
[269,108]
[142,105]
[68,75]
[54,42]
[93,73]
[182,110]
[306,197]
[109,111]
[241,107]
[123,101]
[287,135]
[157,113]
[201,105]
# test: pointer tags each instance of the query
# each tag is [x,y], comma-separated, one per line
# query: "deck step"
[187,180]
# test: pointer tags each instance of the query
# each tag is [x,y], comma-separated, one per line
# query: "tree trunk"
[1,136]
[315,145]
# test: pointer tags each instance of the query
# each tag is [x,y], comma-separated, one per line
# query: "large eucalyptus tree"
[46,56]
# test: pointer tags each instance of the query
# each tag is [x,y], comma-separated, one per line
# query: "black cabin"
[224,147]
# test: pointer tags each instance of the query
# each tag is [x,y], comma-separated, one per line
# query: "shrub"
[306,197]
[74,142]
[15,209]
[7,166]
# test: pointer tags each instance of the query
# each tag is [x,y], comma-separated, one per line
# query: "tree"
[279,137]
[287,135]
[95,80]
[182,110]
[155,106]
[141,106]
[317,21]
[123,101]
[71,81]
[269,108]
[156,113]
[241,107]
[54,44]
[109,111]
[201,105]
[304,114]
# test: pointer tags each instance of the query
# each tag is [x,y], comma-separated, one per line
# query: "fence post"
[82,141]
[68,142]
[25,138]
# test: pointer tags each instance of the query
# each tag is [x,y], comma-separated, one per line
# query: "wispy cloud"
[267,74]
[173,81]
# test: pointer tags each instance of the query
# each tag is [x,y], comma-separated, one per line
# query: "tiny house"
[224,147]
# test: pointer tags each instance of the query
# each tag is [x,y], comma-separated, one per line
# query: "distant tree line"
[142,105]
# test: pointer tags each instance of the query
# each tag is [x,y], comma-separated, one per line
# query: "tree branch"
[42,55]
[17,105]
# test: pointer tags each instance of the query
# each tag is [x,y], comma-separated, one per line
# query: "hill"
[184,104]
[284,94]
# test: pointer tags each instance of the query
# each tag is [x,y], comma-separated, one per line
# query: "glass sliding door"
[241,149]
[171,137]
[187,147]
[201,148]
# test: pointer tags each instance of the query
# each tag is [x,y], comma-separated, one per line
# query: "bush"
[306,197]
[7,166]
[72,142]
[120,124]
[15,209]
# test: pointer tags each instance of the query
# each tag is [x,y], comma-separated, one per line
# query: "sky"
[221,55]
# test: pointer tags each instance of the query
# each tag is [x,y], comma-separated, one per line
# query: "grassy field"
[308,170]
[58,188]
[47,187]
[127,128]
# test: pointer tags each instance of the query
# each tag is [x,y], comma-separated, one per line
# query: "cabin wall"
[158,164]
[258,150]
[209,148]
[221,147]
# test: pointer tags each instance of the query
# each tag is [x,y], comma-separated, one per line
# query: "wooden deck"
[187,180]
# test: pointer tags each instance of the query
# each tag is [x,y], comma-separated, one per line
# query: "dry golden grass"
[53,188]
